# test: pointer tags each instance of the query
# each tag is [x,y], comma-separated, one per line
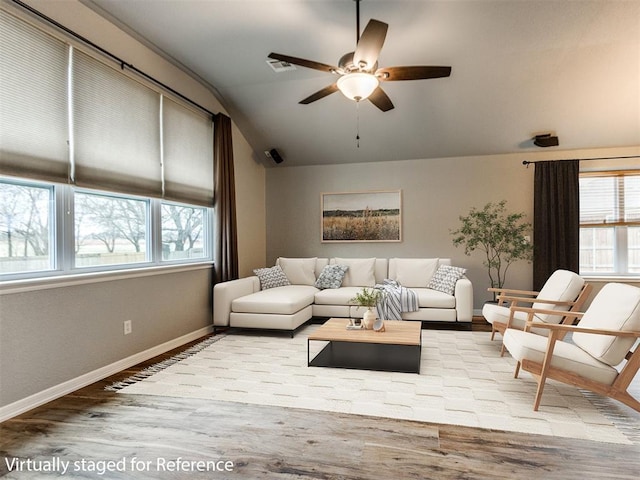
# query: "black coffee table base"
[368,356]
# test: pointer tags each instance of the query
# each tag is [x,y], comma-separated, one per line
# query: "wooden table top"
[397,332]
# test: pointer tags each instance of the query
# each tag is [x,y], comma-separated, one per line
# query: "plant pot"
[368,319]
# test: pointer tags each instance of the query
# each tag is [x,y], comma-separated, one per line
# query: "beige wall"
[250,208]
[435,192]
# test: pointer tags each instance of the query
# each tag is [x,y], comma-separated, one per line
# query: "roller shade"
[188,154]
[33,102]
[116,130]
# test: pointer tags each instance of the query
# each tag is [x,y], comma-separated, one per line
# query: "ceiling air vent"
[280,65]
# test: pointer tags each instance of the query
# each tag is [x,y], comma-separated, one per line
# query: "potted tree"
[369,298]
[500,235]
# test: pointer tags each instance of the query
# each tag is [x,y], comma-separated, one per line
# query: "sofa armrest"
[464,300]
[226,292]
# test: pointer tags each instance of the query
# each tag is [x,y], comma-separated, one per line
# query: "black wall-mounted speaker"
[545,140]
[274,155]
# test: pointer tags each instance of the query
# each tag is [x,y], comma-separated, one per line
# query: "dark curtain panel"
[225,254]
[556,219]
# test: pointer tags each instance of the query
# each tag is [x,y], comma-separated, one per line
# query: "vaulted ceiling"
[519,68]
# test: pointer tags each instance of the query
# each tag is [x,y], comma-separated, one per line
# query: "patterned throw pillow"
[445,279]
[331,276]
[271,277]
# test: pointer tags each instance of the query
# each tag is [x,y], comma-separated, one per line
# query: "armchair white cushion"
[617,309]
[562,286]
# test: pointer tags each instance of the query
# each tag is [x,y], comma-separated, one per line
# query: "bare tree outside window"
[109,230]
[25,212]
[182,232]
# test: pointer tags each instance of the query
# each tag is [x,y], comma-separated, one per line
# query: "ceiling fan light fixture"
[357,86]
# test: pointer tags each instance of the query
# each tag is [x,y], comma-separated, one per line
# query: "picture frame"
[367,216]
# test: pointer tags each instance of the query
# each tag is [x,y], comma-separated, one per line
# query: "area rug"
[463,381]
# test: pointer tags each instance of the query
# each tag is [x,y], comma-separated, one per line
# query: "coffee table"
[397,349]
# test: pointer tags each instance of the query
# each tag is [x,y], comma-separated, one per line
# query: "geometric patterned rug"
[463,381]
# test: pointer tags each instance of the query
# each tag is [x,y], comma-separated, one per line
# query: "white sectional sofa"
[243,303]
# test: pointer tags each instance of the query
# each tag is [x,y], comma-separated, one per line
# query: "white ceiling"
[519,68]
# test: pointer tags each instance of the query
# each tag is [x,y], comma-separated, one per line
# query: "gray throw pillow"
[445,279]
[331,276]
[271,277]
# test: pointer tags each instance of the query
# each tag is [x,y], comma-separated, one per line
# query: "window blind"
[67,116]
[610,199]
[188,154]
[116,130]
[33,102]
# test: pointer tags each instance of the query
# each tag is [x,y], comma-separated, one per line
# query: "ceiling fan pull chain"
[357,124]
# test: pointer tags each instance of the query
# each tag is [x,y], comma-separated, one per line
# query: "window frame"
[62,235]
[620,226]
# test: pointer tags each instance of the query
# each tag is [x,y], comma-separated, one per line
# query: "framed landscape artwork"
[362,216]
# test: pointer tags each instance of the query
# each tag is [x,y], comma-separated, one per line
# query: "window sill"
[612,278]
[45,283]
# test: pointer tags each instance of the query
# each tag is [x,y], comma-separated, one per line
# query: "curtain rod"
[527,163]
[119,60]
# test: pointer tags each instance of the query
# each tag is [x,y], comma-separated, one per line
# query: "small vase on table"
[368,319]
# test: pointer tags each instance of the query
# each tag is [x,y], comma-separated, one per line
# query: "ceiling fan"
[359,75]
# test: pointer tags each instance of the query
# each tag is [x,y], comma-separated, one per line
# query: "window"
[106,231]
[25,227]
[109,230]
[182,232]
[610,223]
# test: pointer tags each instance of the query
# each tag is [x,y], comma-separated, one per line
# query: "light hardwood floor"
[143,435]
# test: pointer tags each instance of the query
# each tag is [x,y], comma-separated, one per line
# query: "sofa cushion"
[445,278]
[336,296]
[361,272]
[331,276]
[299,271]
[278,300]
[429,298]
[412,272]
[271,277]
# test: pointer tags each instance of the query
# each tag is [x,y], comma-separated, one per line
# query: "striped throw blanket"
[396,299]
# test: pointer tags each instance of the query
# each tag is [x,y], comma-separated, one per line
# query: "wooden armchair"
[563,291]
[602,340]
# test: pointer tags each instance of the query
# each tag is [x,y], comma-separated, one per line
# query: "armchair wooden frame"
[541,371]
[519,298]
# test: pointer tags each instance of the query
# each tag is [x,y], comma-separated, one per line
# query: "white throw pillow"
[414,272]
[299,271]
[361,272]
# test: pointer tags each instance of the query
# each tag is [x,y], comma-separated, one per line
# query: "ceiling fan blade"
[390,74]
[370,44]
[320,94]
[381,100]
[303,62]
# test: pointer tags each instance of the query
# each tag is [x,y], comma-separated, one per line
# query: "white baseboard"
[57,391]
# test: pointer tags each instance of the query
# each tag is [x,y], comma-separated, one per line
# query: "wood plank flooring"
[144,436]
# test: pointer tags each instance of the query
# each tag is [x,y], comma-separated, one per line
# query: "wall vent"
[280,65]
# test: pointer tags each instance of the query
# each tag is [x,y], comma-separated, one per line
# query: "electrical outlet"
[127,327]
